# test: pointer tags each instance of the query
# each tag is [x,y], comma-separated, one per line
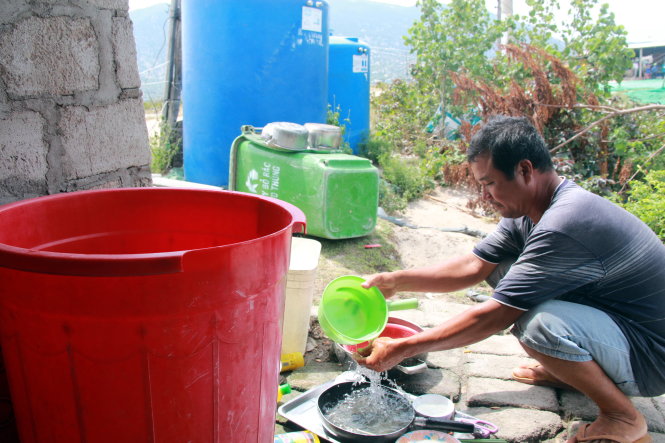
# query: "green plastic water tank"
[338,192]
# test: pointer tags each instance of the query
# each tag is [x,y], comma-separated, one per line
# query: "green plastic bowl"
[350,314]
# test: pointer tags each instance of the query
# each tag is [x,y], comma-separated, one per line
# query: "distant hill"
[150,33]
[381,26]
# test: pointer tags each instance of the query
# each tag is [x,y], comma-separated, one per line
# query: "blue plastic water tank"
[348,86]
[248,62]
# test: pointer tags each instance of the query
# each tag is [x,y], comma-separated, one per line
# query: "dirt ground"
[442,209]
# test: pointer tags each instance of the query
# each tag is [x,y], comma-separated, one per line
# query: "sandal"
[546,383]
[580,437]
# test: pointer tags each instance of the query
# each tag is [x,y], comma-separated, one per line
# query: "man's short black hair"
[509,140]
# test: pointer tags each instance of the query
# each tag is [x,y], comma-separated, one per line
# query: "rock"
[432,381]
[494,392]
[452,360]
[493,366]
[655,419]
[499,345]
[578,406]
[520,425]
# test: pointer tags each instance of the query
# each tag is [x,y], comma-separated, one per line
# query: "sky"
[643,19]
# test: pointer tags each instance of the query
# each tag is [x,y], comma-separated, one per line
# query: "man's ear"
[525,168]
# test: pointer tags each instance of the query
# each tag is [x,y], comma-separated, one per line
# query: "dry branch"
[607,117]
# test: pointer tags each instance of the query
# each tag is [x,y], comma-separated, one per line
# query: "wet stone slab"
[493,366]
[659,402]
[655,418]
[578,406]
[490,392]
[521,425]
[452,360]
[498,345]
[433,381]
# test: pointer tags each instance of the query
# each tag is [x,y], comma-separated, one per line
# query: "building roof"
[648,44]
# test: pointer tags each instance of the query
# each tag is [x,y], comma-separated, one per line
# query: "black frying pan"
[346,432]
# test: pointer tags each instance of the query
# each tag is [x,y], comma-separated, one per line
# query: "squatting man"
[581,281]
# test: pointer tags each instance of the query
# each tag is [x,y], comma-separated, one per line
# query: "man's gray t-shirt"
[587,250]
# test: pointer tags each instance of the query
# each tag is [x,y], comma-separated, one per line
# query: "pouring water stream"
[373,410]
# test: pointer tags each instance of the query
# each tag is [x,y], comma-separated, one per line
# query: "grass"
[351,252]
[349,256]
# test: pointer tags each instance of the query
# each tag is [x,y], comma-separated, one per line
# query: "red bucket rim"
[31,260]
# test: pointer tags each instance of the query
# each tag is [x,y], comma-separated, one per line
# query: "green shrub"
[332,118]
[375,148]
[389,199]
[406,176]
[165,145]
[647,201]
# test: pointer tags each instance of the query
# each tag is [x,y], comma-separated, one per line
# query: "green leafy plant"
[406,176]
[448,39]
[389,198]
[333,118]
[165,146]
[647,201]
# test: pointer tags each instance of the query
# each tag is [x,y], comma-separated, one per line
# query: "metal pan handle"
[440,424]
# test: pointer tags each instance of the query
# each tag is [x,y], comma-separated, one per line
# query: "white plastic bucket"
[299,293]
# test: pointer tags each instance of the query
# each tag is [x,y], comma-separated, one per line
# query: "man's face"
[508,197]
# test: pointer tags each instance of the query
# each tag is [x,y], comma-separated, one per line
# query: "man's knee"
[540,328]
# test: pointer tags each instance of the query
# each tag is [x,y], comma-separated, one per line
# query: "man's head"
[507,141]
[511,162]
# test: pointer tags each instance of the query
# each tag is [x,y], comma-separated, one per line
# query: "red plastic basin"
[391,330]
[144,314]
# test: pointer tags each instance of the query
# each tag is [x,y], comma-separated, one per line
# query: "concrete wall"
[71,111]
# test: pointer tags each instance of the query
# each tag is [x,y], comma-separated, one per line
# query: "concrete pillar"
[71,111]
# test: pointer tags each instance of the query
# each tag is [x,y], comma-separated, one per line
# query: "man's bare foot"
[536,374]
[614,428]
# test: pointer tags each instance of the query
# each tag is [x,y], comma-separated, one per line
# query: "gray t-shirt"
[587,250]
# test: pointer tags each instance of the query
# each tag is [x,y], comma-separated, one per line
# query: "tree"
[594,48]
[556,74]
[449,38]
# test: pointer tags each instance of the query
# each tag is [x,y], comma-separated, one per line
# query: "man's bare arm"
[471,326]
[452,275]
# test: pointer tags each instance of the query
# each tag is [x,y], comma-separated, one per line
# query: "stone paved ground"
[477,379]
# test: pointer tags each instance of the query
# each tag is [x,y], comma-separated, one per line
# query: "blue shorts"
[575,332]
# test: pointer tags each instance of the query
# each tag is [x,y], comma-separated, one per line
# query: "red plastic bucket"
[144,314]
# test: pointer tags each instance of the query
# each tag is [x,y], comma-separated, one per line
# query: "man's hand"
[380,355]
[384,282]
[470,326]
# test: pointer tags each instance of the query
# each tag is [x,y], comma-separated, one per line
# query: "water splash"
[371,409]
